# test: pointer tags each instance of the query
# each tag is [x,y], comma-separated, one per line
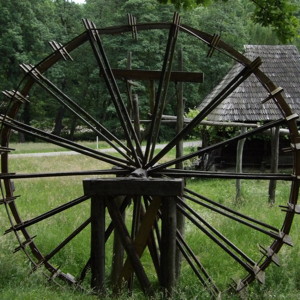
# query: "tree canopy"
[280,15]
[28,25]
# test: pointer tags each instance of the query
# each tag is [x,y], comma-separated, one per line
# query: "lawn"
[40,195]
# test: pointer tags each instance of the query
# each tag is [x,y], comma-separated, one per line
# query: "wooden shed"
[282,64]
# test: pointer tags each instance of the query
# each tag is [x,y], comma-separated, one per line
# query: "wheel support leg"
[168,245]
[97,243]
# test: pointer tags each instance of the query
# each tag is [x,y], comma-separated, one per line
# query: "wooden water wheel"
[145,190]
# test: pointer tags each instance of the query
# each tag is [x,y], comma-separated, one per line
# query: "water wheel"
[52,221]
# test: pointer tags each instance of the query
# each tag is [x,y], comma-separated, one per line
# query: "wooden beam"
[177,76]
[132,186]
[97,243]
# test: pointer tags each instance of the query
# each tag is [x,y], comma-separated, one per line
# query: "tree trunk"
[58,126]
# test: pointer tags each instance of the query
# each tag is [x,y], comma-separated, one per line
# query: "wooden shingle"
[281,63]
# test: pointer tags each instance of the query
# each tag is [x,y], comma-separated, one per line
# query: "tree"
[280,15]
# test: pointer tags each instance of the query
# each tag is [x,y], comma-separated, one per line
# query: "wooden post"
[180,113]
[129,85]
[118,250]
[152,95]
[179,153]
[157,188]
[239,164]
[136,115]
[97,243]
[274,162]
[168,245]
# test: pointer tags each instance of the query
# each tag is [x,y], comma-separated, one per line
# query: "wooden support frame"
[164,193]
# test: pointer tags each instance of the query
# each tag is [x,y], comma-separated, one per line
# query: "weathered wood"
[178,76]
[152,95]
[128,245]
[179,153]
[118,249]
[140,242]
[136,116]
[274,162]
[173,119]
[180,113]
[132,186]
[97,243]
[239,164]
[168,245]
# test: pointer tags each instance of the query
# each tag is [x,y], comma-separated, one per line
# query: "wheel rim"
[133,157]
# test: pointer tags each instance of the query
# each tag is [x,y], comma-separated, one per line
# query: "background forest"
[28,25]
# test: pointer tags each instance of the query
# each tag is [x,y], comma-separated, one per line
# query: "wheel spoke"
[54,139]
[48,214]
[62,174]
[64,243]
[230,87]
[219,239]
[240,218]
[78,111]
[190,256]
[107,73]
[162,89]
[216,232]
[174,173]
[217,145]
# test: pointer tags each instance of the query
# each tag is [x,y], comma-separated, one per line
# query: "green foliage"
[26,32]
[38,196]
[280,15]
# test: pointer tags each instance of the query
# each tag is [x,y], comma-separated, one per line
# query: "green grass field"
[40,195]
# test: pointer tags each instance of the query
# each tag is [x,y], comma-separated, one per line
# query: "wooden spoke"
[230,212]
[216,232]
[110,81]
[221,96]
[162,89]
[48,214]
[77,110]
[64,242]
[179,173]
[219,239]
[217,145]
[118,172]
[196,265]
[56,140]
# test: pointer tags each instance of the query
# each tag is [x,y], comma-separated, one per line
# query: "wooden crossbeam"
[176,76]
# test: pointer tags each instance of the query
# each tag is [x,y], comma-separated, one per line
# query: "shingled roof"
[281,64]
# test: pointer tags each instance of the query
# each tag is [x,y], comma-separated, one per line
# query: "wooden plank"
[176,76]
[132,186]
[168,245]
[128,245]
[141,240]
[118,249]
[97,243]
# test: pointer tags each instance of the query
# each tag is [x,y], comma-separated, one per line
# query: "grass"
[47,147]
[41,195]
